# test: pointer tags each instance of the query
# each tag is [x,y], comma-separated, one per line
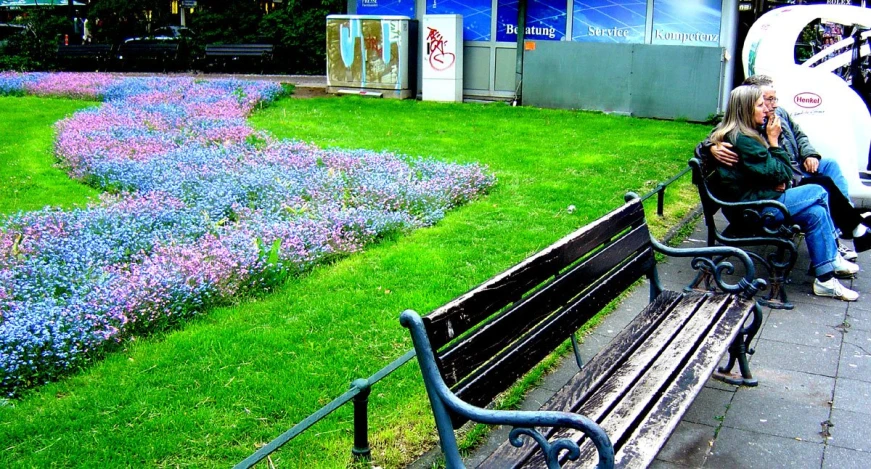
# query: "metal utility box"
[370,55]
[442,53]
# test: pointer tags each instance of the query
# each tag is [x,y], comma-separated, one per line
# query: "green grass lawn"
[209,394]
[28,178]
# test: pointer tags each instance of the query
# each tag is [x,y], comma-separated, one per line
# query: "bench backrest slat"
[467,355]
[506,367]
[457,317]
[90,48]
[496,333]
[239,49]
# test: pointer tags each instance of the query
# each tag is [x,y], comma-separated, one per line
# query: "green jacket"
[758,171]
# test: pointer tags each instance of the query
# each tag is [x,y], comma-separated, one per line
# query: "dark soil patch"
[310,92]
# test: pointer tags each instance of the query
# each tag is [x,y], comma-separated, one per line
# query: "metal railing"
[361,388]
[359,392]
[659,190]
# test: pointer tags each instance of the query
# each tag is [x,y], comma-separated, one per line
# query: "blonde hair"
[739,116]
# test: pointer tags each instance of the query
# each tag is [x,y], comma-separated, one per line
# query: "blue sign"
[687,22]
[386,7]
[477,15]
[545,20]
[611,21]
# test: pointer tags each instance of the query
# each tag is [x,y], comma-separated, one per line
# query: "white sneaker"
[834,289]
[847,253]
[844,268]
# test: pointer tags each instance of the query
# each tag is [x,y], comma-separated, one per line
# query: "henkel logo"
[808,100]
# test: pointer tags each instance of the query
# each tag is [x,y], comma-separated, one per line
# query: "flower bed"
[199,208]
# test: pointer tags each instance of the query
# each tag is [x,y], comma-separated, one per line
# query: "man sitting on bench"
[808,168]
[763,172]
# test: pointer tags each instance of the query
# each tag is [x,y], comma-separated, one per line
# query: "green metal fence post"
[660,199]
[361,448]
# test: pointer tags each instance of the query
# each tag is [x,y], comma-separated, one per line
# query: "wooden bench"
[162,55]
[239,55]
[90,56]
[621,407]
[774,243]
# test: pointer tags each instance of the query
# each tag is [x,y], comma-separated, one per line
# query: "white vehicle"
[835,117]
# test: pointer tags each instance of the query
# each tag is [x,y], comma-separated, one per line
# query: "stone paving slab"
[688,446]
[810,313]
[840,458]
[710,406]
[741,449]
[855,360]
[813,359]
[782,329]
[853,396]
[850,431]
[859,319]
[773,415]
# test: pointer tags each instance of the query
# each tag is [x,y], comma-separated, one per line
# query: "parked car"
[167,33]
[189,49]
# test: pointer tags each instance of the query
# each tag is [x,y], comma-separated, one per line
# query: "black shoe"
[866,219]
[862,243]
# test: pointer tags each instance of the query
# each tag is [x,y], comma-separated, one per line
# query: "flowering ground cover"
[209,394]
[199,208]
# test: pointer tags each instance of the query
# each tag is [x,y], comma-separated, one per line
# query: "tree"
[115,20]
[35,49]
[227,21]
[298,29]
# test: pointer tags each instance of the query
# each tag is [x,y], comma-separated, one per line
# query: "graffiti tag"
[435,48]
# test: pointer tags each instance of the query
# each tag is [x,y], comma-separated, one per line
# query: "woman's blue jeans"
[809,207]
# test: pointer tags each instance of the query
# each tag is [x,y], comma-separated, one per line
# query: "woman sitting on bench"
[764,173]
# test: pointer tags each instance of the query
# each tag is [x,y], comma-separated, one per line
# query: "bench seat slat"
[509,365]
[664,417]
[598,370]
[84,50]
[618,404]
[483,344]
[456,317]
[699,335]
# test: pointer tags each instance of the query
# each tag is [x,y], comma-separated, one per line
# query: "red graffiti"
[373,43]
[435,47]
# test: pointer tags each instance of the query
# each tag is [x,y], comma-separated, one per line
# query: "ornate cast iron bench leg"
[779,266]
[738,352]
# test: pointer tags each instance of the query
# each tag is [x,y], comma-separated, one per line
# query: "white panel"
[442,53]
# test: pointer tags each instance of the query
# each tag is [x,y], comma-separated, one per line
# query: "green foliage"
[269,254]
[36,48]
[809,42]
[227,21]
[298,29]
[112,21]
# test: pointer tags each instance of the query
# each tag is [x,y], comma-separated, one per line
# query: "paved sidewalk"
[812,407]
[813,401]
